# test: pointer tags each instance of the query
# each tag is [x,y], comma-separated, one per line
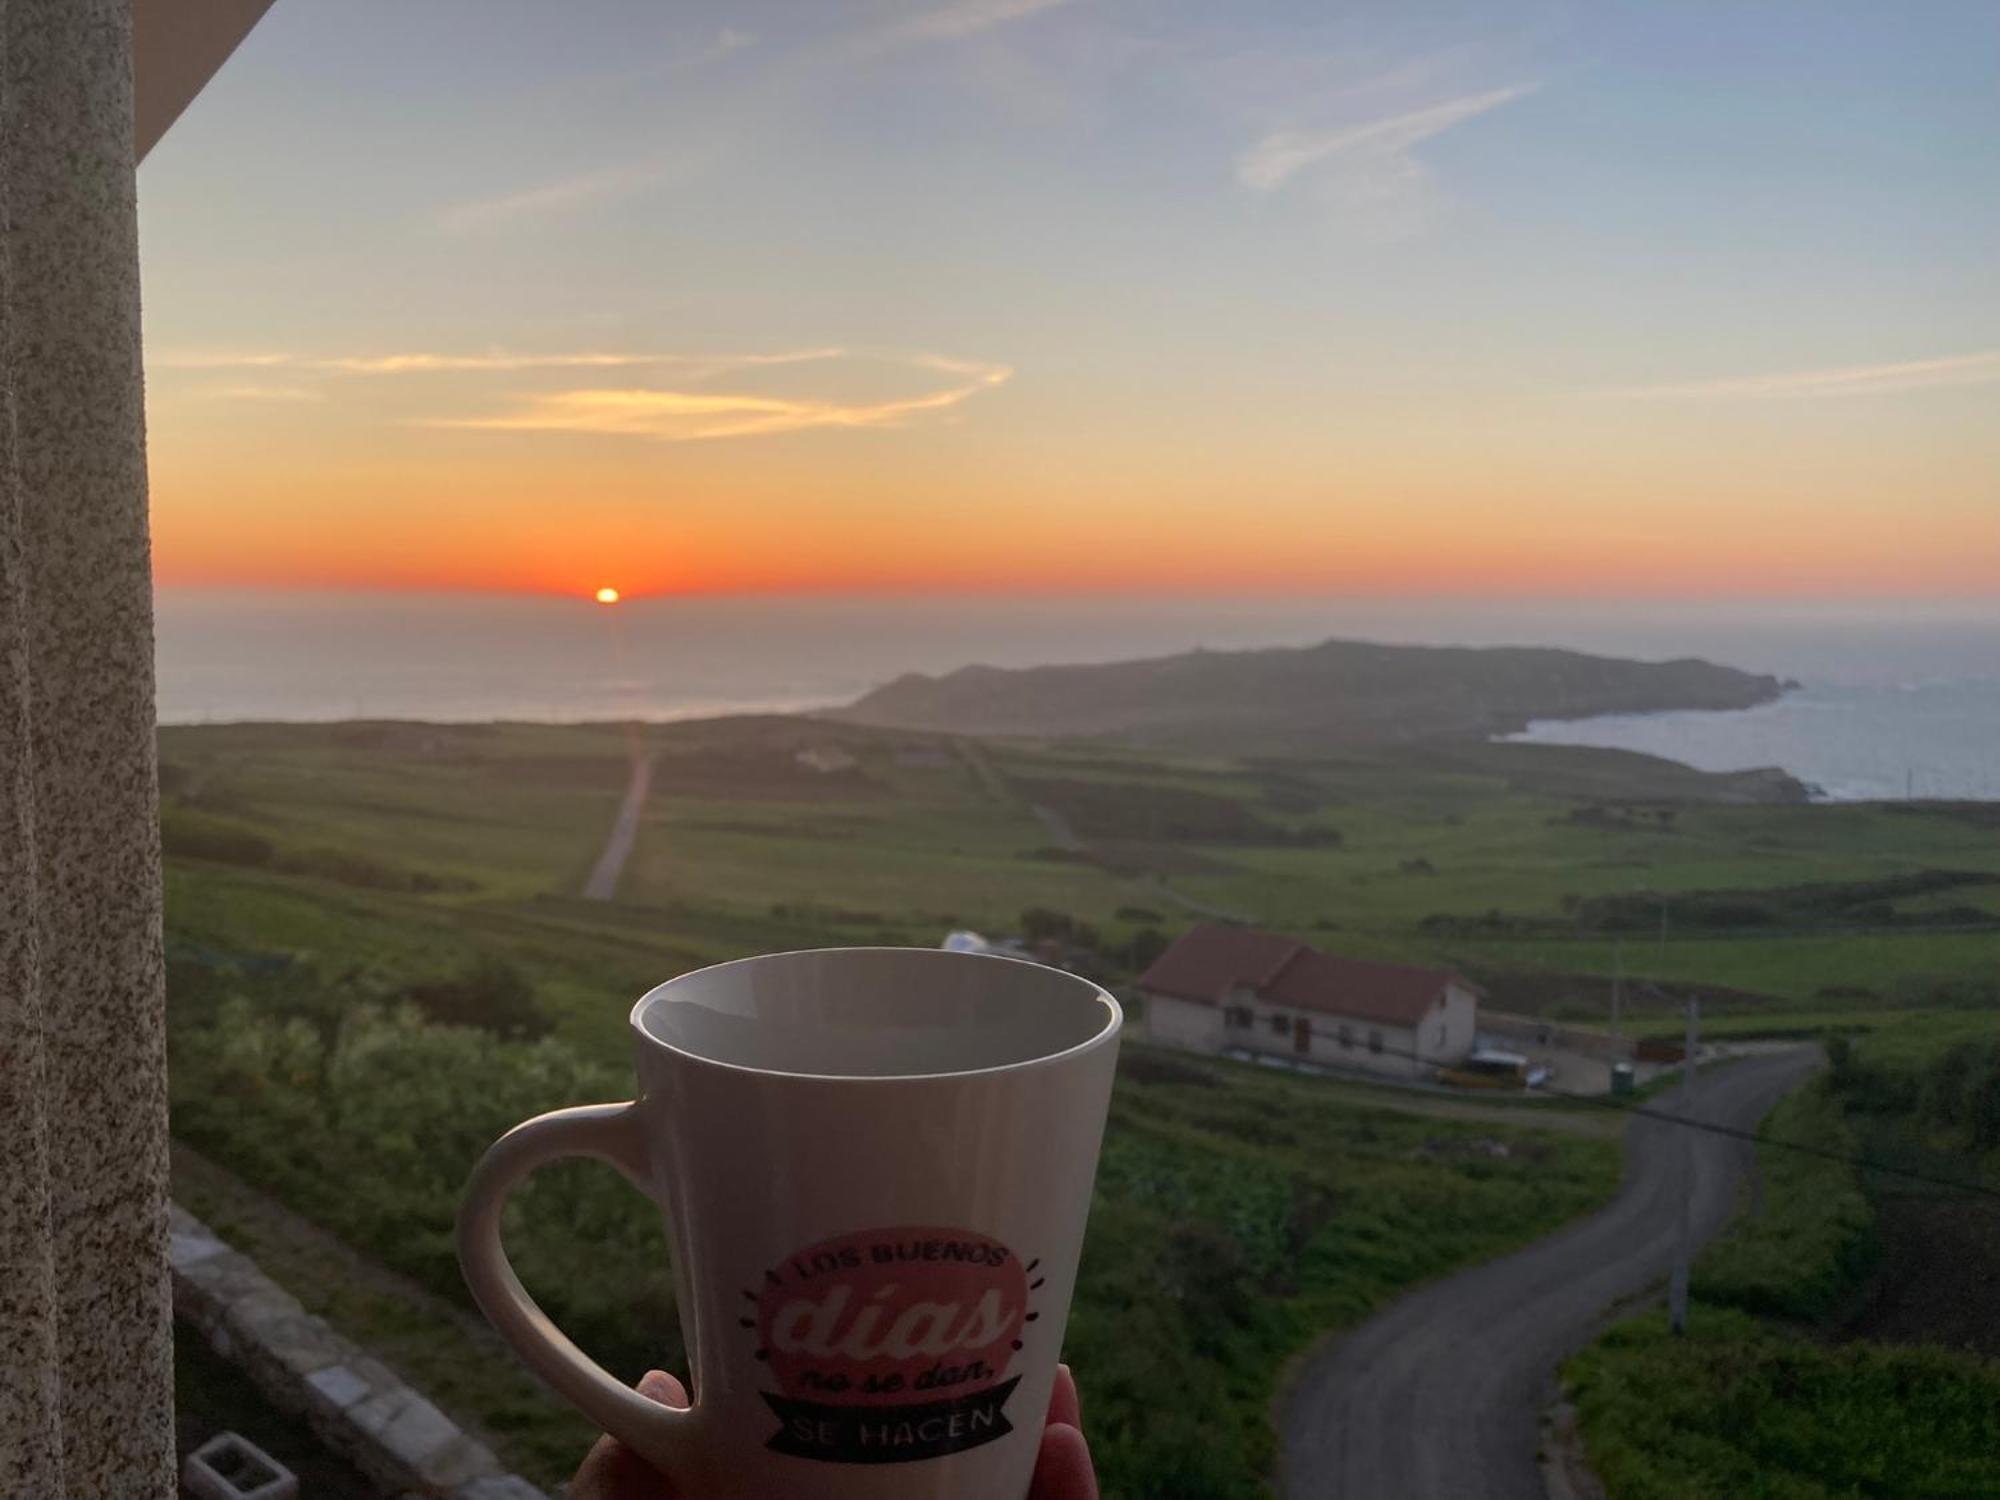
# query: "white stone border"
[359,1407]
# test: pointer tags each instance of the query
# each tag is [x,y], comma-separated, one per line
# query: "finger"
[658,1385]
[1063,1404]
[1062,1468]
[612,1471]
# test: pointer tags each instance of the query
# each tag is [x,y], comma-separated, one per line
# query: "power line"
[1731,1132]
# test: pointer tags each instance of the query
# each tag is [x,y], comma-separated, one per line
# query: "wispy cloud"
[215,359]
[728,42]
[1849,380]
[963,18]
[599,185]
[496,361]
[675,409]
[1372,146]
[670,415]
[250,391]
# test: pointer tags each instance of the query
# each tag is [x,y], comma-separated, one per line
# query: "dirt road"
[603,882]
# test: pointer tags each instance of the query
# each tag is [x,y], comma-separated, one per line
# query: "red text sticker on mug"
[893,1344]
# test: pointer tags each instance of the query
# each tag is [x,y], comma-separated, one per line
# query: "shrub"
[1142,1065]
[1811,1242]
[1734,1409]
[1147,944]
[373,1132]
[489,993]
[1039,922]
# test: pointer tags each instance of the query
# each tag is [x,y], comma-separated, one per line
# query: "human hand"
[612,1471]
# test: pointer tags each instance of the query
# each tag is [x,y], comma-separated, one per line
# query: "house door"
[1302,1034]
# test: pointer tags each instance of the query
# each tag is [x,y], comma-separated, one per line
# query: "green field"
[1542,874]
[378,960]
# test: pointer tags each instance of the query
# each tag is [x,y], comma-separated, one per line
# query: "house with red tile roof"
[1238,990]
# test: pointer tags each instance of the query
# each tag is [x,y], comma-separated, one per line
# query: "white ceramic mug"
[875,1166]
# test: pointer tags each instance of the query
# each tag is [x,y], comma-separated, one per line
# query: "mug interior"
[875,1013]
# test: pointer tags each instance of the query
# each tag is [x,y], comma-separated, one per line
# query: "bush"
[1960,1094]
[1147,944]
[1734,1410]
[372,1132]
[1953,1091]
[1039,922]
[489,993]
[1812,1242]
[1144,1065]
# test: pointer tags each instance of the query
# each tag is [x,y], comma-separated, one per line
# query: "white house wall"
[1445,1035]
[1394,1060]
[1183,1024]
[1451,1029]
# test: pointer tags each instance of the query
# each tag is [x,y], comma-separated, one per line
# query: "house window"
[1374,1040]
[1237,1016]
[1279,1024]
[1346,1035]
[1441,1035]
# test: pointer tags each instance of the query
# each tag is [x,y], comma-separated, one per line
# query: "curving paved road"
[1440,1396]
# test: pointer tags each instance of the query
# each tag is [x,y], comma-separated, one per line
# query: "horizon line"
[1166,592]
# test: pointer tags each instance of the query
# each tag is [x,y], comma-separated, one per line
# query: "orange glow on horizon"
[911,518]
[1478,568]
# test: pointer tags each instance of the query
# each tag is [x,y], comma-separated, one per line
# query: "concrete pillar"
[85,1343]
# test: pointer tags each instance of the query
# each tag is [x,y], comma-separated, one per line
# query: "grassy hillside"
[343,900]
[1493,858]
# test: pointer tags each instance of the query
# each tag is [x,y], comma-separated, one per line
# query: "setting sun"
[607,595]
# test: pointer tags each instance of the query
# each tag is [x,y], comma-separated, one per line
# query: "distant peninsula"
[1303,700]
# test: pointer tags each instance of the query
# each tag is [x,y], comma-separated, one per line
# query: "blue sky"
[1376,275]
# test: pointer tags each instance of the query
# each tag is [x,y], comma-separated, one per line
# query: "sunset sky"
[1154,296]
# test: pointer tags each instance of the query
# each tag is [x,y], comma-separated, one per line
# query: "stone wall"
[356,1405]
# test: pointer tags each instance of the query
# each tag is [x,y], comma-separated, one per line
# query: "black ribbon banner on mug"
[890,1434]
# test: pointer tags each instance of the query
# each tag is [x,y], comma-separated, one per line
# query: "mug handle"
[609,1132]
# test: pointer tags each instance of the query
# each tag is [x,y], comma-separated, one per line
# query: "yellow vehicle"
[1488,1068]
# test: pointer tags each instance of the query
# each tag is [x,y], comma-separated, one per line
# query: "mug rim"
[1114,1020]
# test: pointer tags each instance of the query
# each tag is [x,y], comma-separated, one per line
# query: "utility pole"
[1617,978]
[1677,1284]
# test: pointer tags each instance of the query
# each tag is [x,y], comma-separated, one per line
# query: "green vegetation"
[1541,870]
[1237,1213]
[1755,1400]
[1811,1240]
[1738,1410]
[1943,1084]
[377,963]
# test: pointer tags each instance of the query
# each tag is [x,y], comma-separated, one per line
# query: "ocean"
[1893,700]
